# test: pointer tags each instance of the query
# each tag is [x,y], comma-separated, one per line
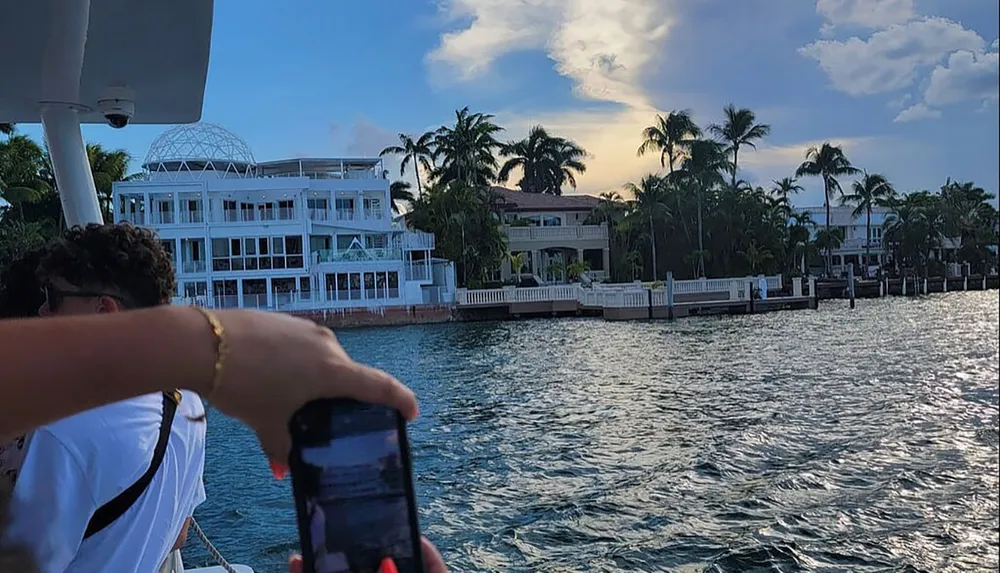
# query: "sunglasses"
[55,296]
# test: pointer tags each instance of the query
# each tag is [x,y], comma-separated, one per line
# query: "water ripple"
[835,440]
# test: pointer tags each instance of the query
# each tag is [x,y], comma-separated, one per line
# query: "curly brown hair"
[123,257]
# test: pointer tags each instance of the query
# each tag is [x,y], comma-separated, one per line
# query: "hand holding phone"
[353,487]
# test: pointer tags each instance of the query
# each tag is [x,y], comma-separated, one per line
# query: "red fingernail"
[388,566]
[278,470]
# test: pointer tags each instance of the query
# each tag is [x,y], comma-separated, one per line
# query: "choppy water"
[833,440]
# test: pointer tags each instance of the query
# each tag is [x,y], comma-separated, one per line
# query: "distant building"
[289,234]
[551,229]
[857,238]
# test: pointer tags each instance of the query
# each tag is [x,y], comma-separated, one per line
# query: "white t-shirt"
[77,464]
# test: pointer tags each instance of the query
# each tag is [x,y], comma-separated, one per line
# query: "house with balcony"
[551,231]
[857,239]
[304,233]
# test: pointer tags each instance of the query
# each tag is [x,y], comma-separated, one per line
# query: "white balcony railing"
[320,214]
[196,216]
[163,218]
[418,241]
[193,266]
[356,255]
[859,243]
[253,215]
[571,233]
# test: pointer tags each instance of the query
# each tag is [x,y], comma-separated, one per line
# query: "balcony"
[254,215]
[418,241]
[549,234]
[193,267]
[356,255]
[323,215]
[859,243]
[193,217]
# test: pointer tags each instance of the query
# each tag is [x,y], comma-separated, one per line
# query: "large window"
[253,253]
[377,285]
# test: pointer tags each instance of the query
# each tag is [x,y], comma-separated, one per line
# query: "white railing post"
[797,287]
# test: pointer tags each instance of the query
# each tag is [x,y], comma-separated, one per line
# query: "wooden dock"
[638,301]
[907,286]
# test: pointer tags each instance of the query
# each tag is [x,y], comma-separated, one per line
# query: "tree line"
[696,217]
[33,213]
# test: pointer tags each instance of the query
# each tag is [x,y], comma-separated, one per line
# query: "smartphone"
[353,487]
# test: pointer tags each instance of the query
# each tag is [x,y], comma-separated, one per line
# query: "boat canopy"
[73,51]
[148,60]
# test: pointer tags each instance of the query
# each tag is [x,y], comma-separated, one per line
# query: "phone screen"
[353,489]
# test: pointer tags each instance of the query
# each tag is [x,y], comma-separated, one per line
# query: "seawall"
[341,318]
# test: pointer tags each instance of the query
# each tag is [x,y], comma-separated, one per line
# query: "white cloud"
[891,58]
[917,112]
[900,102]
[865,13]
[604,46]
[968,76]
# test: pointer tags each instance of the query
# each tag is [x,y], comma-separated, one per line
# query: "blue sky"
[909,87]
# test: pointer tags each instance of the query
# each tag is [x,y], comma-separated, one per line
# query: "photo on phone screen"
[353,490]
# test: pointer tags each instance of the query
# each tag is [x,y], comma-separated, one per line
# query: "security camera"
[117,107]
[117,112]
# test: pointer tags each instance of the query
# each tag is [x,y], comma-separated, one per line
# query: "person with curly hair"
[112,488]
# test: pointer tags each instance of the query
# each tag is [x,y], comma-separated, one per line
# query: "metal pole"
[71,166]
[63,50]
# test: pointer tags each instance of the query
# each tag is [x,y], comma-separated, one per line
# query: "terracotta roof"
[518,201]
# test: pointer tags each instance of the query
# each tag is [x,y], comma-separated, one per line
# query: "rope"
[211,548]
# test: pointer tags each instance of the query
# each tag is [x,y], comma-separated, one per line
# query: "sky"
[908,87]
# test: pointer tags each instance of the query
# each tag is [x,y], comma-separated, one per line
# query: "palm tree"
[701,172]
[545,162]
[914,228]
[417,152]
[399,191]
[107,167]
[517,263]
[466,150]
[650,204]
[872,190]
[829,162]
[785,187]
[669,136]
[739,129]
[7,128]
[21,161]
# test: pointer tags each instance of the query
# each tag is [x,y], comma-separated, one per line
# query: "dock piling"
[850,284]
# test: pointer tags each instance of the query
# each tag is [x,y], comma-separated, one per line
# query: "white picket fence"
[628,295]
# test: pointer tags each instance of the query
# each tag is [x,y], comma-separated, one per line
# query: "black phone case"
[299,427]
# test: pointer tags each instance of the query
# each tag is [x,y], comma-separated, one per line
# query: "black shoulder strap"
[111,511]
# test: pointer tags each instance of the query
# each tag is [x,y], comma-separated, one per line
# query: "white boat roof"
[158,49]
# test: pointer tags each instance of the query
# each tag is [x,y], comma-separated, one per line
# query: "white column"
[63,53]
[72,168]
[177,207]
[797,286]
[270,294]
[239,292]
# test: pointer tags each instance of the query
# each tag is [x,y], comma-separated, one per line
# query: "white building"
[288,234]
[856,238]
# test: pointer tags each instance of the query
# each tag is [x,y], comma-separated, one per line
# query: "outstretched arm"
[51,368]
